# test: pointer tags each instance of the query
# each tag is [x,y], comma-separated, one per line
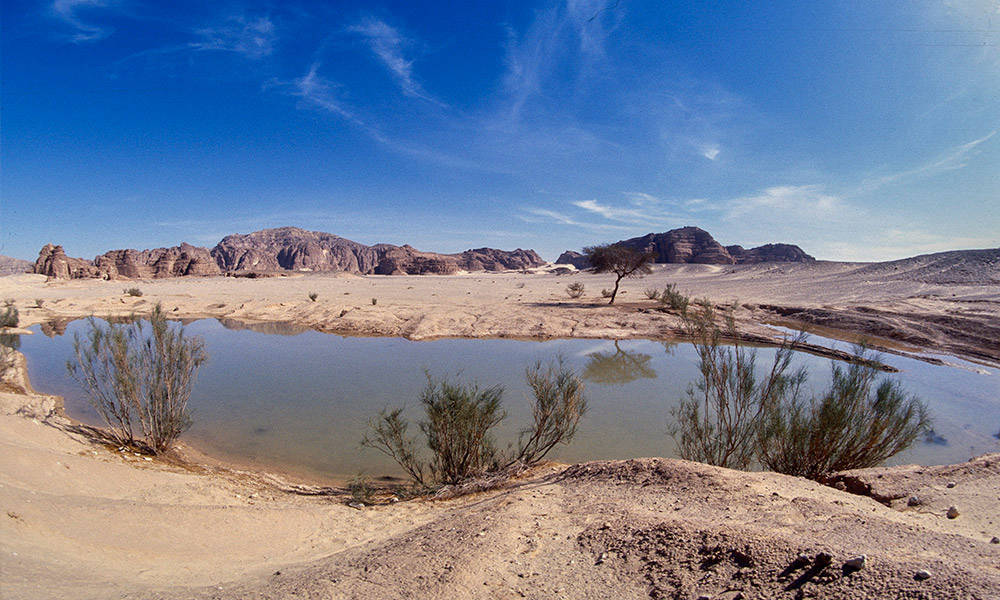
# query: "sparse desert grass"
[313,296]
[9,317]
[575,289]
[132,291]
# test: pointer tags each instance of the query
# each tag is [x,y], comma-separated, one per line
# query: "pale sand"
[83,521]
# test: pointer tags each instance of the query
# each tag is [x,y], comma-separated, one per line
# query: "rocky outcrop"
[769,253]
[13,266]
[277,250]
[175,261]
[491,259]
[53,262]
[293,249]
[694,245]
[578,260]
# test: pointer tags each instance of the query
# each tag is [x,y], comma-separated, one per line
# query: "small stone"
[704,597]
[823,559]
[950,485]
[800,561]
[922,574]
[356,505]
[840,485]
[953,513]
[913,501]
[857,563]
[603,557]
[995,540]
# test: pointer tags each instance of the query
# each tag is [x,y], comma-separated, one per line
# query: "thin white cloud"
[68,11]
[950,160]
[544,215]
[624,215]
[790,202]
[388,45]
[710,152]
[253,38]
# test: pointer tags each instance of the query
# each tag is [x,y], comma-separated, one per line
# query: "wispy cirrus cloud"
[950,160]
[71,12]
[253,38]
[388,45]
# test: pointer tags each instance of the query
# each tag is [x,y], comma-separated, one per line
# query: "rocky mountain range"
[276,250]
[12,266]
[694,245]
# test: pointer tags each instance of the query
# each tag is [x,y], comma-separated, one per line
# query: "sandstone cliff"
[281,249]
[694,245]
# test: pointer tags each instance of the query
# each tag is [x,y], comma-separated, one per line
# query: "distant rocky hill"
[281,249]
[956,267]
[694,245]
[12,266]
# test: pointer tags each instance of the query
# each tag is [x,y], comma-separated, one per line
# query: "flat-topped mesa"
[695,245]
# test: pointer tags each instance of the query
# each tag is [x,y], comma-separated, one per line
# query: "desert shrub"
[652,293]
[575,289]
[606,293]
[718,420]
[361,489]
[674,300]
[559,404]
[9,317]
[139,378]
[39,302]
[457,424]
[860,421]
[132,291]
[313,296]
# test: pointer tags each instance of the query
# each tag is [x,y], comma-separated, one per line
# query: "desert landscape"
[93,521]
[585,299]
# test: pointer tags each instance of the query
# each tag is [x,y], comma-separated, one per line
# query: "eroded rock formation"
[281,249]
[694,245]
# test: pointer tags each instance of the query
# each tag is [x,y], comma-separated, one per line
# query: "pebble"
[823,559]
[922,574]
[356,505]
[995,540]
[953,513]
[950,485]
[601,558]
[857,563]
[913,501]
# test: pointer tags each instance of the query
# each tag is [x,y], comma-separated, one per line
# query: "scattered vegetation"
[606,293]
[732,417]
[718,420]
[652,293]
[459,417]
[361,489]
[674,300]
[132,291]
[620,260]
[9,317]
[139,378]
[313,296]
[861,421]
[575,289]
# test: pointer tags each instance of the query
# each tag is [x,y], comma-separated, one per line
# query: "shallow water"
[299,401]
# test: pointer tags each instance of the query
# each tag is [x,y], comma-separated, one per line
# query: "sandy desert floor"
[84,521]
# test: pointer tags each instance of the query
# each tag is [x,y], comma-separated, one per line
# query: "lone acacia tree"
[620,260]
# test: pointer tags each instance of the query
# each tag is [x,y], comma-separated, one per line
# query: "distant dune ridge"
[695,245]
[275,250]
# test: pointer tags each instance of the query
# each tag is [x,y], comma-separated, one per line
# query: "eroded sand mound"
[657,528]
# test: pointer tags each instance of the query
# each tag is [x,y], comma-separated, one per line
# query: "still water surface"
[299,400]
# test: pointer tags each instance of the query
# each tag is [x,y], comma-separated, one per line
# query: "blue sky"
[858,130]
